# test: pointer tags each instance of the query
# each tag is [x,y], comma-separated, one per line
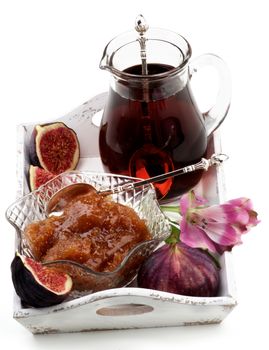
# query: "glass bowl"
[32,207]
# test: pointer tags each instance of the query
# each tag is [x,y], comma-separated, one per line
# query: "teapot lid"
[153,45]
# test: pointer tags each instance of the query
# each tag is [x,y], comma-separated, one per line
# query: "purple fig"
[178,268]
[54,147]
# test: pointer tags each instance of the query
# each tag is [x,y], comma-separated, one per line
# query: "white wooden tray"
[128,307]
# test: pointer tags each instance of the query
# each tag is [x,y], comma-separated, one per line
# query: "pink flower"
[217,228]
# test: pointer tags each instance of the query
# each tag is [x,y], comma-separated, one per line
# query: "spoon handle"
[204,164]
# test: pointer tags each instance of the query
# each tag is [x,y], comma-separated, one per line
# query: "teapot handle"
[216,114]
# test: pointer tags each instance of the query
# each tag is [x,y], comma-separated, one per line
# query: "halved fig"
[37,285]
[38,177]
[54,147]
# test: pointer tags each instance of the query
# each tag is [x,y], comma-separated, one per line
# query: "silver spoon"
[62,197]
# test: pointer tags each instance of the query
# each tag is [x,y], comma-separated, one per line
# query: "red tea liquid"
[149,134]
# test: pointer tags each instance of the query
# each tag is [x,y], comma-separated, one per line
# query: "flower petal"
[224,233]
[222,248]
[184,203]
[224,213]
[253,220]
[236,214]
[241,202]
[195,237]
[191,200]
[213,213]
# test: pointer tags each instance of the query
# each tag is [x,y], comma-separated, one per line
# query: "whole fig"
[178,268]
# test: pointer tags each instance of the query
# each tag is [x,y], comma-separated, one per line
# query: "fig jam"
[152,129]
[92,230]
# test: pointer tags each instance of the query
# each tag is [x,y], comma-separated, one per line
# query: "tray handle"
[124,309]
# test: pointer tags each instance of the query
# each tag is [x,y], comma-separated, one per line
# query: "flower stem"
[174,236]
[172,209]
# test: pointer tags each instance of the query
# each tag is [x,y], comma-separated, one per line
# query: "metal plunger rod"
[141,27]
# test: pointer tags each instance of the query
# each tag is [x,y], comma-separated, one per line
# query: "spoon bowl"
[59,200]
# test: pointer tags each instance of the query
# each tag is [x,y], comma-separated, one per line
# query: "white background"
[50,52]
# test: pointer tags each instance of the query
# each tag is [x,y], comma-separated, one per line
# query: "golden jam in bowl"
[92,230]
[99,242]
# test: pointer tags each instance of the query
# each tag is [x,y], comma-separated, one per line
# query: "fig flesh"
[178,268]
[37,285]
[54,147]
[38,177]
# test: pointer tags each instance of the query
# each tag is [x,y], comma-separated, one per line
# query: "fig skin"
[32,149]
[30,289]
[180,269]
[53,160]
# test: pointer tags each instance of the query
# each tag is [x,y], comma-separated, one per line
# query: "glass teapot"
[151,123]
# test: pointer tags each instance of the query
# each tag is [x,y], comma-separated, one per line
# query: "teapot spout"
[103,65]
[119,47]
[105,62]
